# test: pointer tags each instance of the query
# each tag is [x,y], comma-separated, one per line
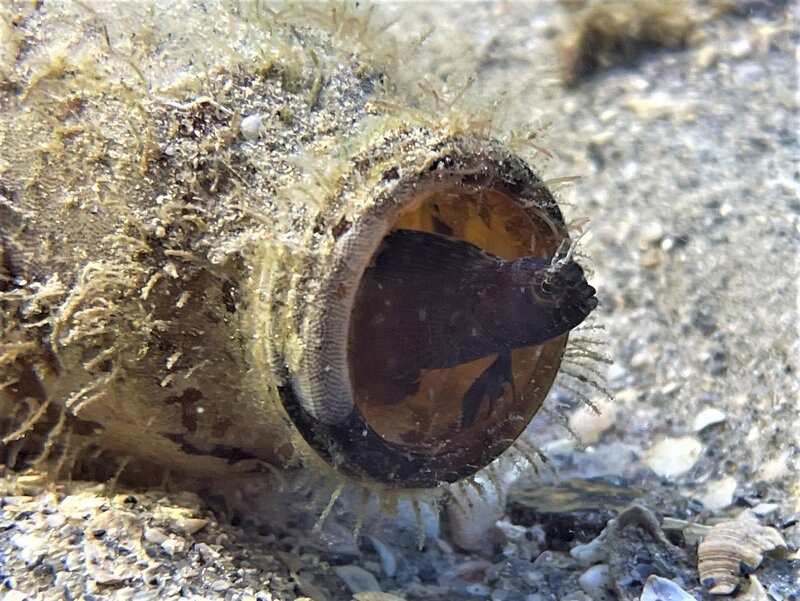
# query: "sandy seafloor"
[690,181]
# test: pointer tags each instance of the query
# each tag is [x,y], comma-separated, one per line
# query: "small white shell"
[731,545]
[251,127]
[709,416]
[597,582]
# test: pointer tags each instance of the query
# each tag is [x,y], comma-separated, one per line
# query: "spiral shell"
[733,547]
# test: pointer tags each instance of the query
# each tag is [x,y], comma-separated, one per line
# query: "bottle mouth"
[409,377]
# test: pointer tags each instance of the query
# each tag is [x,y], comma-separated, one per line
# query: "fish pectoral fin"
[488,384]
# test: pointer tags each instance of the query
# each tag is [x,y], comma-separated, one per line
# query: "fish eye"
[405,401]
[543,290]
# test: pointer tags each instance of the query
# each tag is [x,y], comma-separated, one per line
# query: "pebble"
[616,371]
[651,232]
[660,105]
[251,127]
[741,48]
[477,589]
[504,594]
[172,546]
[73,562]
[672,457]
[154,535]
[513,533]
[708,417]
[375,596]
[774,469]
[719,493]
[755,591]
[472,522]
[220,585]
[81,504]
[186,525]
[207,553]
[55,521]
[560,446]
[603,138]
[763,509]
[472,569]
[31,547]
[590,553]
[108,561]
[589,425]
[705,56]
[597,582]
[388,561]
[30,484]
[652,258]
[643,359]
[661,589]
[357,579]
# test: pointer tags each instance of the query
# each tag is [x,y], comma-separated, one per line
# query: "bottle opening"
[441,326]
[413,339]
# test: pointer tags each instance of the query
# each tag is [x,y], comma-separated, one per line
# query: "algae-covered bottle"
[231,241]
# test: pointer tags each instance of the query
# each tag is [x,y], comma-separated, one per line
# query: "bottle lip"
[319,397]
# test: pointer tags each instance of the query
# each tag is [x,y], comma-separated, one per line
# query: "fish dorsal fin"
[415,254]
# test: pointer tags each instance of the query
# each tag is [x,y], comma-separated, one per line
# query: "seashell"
[263,259]
[732,548]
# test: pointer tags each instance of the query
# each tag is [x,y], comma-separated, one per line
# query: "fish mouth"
[579,296]
[406,429]
[585,297]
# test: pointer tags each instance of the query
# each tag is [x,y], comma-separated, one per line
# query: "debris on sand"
[614,33]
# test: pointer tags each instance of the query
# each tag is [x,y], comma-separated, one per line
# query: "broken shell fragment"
[672,457]
[662,589]
[732,549]
[709,416]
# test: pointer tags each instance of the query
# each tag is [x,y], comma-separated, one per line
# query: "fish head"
[555,298]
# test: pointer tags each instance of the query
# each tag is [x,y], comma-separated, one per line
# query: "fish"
[431,301]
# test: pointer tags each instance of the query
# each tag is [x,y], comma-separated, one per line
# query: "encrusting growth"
[200,236]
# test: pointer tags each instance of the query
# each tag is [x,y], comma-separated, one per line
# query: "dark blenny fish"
[436,302]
